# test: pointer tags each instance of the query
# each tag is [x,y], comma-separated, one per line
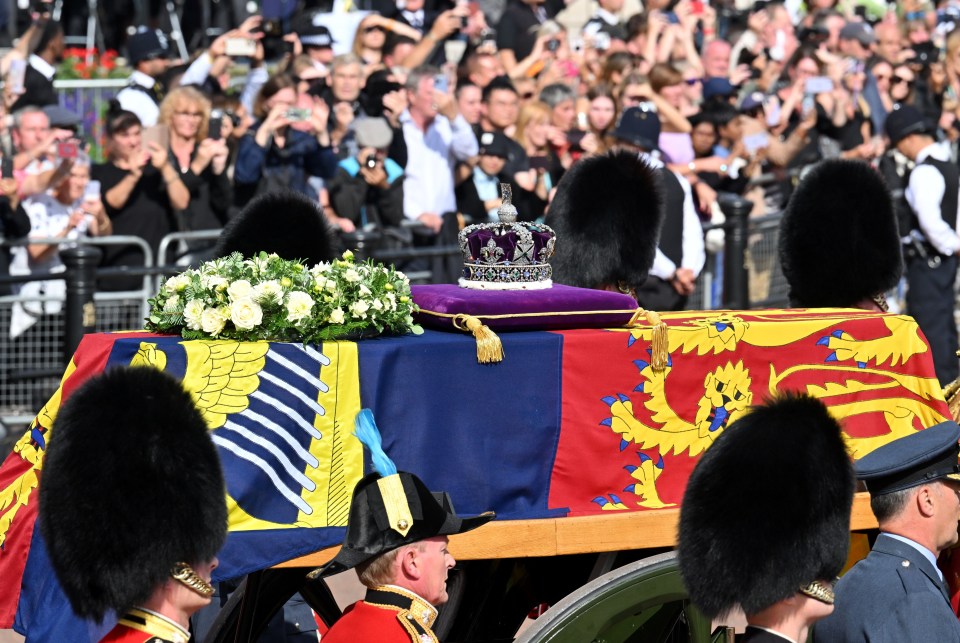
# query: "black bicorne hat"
[390,511]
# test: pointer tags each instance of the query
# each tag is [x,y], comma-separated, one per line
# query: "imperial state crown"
[508,254]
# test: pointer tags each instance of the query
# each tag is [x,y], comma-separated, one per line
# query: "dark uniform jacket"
[893,595]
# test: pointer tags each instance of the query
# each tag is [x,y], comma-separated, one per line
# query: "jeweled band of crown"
[508,254]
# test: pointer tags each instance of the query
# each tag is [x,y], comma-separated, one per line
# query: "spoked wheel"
[642,601]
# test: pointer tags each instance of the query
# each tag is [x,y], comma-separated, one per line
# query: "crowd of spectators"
[406,119]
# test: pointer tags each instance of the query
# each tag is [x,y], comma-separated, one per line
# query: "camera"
[553,44]
[370,161]
[298,114]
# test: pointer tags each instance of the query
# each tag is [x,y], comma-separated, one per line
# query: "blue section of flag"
[499,422]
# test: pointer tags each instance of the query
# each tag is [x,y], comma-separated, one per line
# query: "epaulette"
[414,614]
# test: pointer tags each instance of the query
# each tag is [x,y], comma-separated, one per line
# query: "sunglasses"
[372,29]
[896,80]
[692,81]
[635,99]
[881,77]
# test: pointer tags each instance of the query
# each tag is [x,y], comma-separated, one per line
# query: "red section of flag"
[19,476]
[630,436]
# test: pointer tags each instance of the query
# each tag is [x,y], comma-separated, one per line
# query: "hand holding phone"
[214,129]
[441,84]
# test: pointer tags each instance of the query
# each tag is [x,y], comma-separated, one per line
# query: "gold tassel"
[659,344]
[489,346]
[951,393]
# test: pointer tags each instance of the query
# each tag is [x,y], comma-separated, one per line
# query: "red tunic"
[141,626]
[386,615]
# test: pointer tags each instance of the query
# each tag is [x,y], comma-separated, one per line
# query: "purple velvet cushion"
[555,307]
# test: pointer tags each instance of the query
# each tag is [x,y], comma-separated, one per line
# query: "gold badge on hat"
[395,502]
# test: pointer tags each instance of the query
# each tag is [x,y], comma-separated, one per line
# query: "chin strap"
[185,574]
[819,591]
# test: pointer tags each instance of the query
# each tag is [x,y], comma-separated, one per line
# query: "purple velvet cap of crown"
[554,307]
[506,240]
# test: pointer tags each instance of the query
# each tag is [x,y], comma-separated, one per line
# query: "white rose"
[336,316]
[299,305]
[212,282]
[377,304]
[212,322]
[364,291]
[391,301]
[177,282]
[331,286]
[192,314]
[246,314]
[240,289]
[358,309]
[172,304]
[268,292]
[351,275]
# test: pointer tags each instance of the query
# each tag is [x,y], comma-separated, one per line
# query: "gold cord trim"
[185,574]
[489,346]
[819,591]
[951,393]
[514,315]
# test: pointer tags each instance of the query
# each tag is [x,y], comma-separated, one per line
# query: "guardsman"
[839,243]
[897,593]
[765,519]
[132,506]
[931,246]
[397,542]
[608,210]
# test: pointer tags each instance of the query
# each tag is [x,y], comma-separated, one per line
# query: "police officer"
[397,542]
[931,248]
[897,593]
[769,539]
[149,56]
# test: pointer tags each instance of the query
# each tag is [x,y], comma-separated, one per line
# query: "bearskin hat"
[287,222]
[767,508]
[131,485]
[607,214]
[839,242]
